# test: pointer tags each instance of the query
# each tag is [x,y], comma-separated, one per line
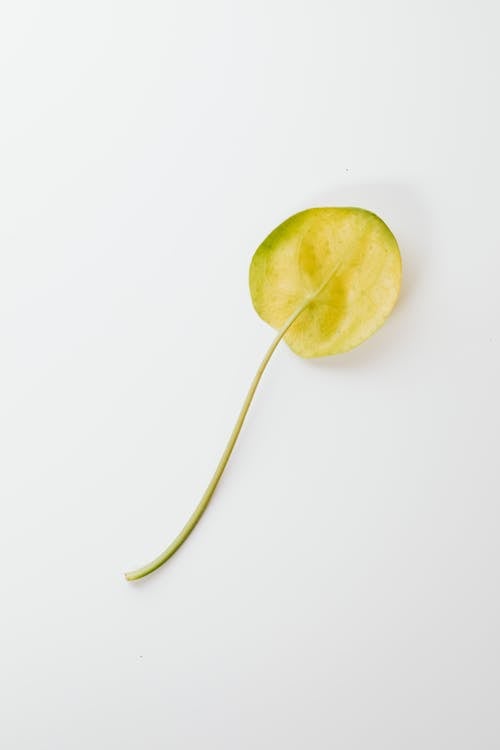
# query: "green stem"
[202,505]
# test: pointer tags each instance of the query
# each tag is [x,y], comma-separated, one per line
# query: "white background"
[342,590]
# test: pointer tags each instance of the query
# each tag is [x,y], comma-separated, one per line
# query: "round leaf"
[340,267]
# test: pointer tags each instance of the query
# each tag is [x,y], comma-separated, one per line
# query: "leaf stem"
[202,505]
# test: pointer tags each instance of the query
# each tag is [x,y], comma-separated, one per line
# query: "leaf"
[326,279]
[343,262]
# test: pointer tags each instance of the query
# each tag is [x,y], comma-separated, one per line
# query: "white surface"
[342,590]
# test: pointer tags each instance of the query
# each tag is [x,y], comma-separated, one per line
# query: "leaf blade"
[294,263]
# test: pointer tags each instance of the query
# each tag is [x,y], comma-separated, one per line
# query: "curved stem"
[202,505]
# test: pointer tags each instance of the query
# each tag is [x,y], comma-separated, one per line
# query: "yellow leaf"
[326,278]
[340,267]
